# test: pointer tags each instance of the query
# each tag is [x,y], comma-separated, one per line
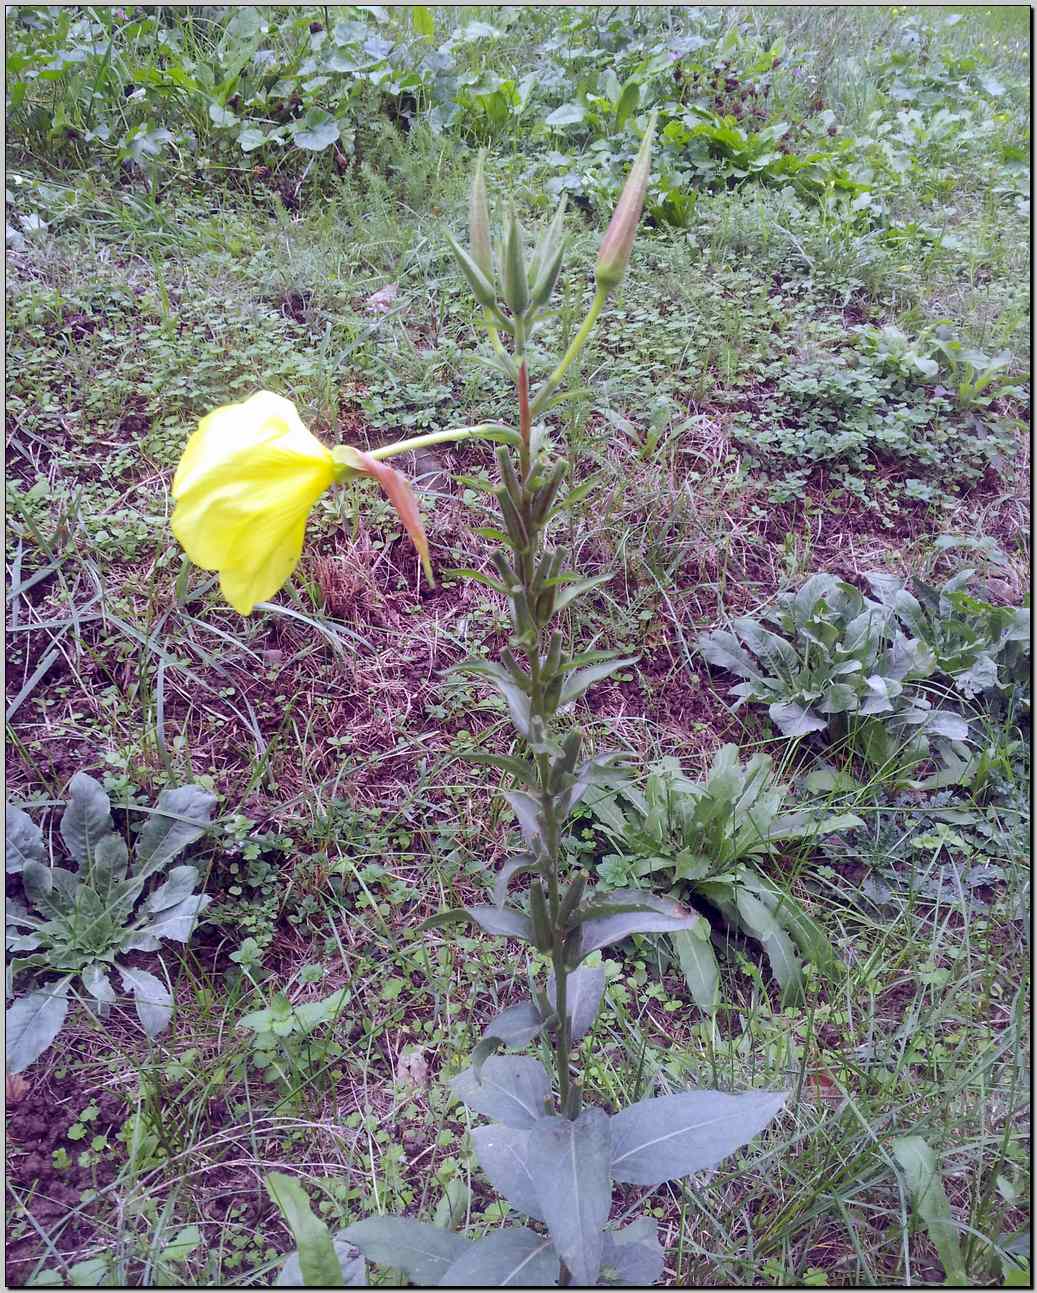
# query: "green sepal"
[513,521]
[571,900]
[485,292]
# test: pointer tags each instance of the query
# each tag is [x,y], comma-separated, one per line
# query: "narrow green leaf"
[181,817]
[698,963]
[922,1175]
[780,952]
[319,1263]
[577,683]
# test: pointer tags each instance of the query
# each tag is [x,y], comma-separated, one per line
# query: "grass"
[329,726]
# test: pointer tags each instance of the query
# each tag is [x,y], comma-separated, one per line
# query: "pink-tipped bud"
[614,252]
[479,221]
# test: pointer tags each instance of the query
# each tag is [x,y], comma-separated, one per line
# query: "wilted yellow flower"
[245,485]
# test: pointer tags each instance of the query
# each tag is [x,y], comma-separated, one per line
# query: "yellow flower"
[243,491]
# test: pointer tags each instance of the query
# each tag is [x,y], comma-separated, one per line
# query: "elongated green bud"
[515,525]
[545,495]
[545,284]
[479,220]
[485,292]
[571,900]
[614,252]
[542,939]
[516,285]
[508,476]
[548,242]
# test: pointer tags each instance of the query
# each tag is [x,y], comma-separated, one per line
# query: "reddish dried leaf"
[400,494]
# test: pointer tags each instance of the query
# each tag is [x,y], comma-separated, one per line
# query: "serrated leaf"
[316,1258]
[929,1199]
[151,998]
[179,884]
[32,1023]
[503,1154]
[181,816]
[794,719]
[514,1257]
[583,992]
[569,1162]
[424,1253]
[87,819]
[671,1136]
[23,841]
[633,1255]
[517,1025]
[98,985]
[514,1089]
[178,922]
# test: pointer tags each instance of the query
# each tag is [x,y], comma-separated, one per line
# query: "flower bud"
[614,252]
[547,243]
[479,221]
[516,285]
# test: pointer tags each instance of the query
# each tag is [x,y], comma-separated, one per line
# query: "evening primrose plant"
[553,1156]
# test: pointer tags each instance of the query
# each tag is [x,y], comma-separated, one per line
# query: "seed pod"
[515,525]
[508,476]
[479,220]
[542,939]
[547,494]
[614,252]
[516,285]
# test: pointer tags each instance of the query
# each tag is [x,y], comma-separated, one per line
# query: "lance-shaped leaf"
[514,1089]
[181,817]
[521,769]
[725,651]
[514,866]
[917,1161]
[316,1259]
[528,813]
[512,1258]
[151,998]
[583,993]
[576,683]
[23,841]
[516,1026]
[32,1024]
[633,1255]
[629,911]
[87,818]
[781,953]
[351,1260]
[569,1163]
[179,885]
[674,1135]
[424,1253]
[495,920]
[517,700]
[503,1154]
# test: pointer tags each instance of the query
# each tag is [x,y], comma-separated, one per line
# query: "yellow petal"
[262,573]
[246,483]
